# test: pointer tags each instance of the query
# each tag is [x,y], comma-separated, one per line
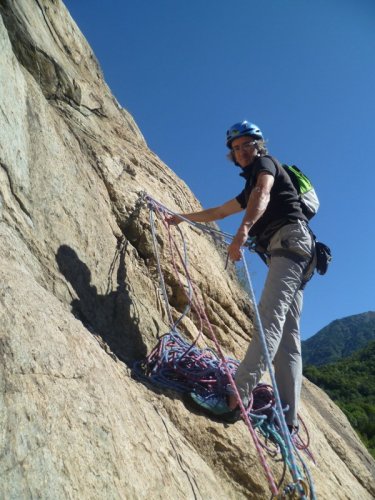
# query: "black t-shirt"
[284,206]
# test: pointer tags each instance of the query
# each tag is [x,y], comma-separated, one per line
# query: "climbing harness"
[182,366]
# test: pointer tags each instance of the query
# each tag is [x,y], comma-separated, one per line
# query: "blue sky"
[303,71]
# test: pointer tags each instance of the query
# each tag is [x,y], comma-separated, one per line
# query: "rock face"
[80,300]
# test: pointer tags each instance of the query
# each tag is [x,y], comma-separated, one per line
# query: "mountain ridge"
[339,339]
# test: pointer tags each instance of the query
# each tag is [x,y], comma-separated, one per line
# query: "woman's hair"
[261,147]
[260,144]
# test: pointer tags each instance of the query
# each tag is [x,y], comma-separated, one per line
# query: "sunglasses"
[245,146]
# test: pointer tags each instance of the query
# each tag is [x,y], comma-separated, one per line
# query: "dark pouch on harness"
[323,257]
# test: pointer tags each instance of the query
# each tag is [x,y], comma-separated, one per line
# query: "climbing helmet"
[243,128]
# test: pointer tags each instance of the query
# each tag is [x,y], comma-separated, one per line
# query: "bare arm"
[258,201]
[210,214]
[256,206]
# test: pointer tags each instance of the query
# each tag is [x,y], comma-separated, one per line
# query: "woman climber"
[274,217]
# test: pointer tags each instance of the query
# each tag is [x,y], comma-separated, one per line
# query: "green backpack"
[310,205]
[307,194]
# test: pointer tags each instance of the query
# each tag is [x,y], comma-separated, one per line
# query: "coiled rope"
[184,367]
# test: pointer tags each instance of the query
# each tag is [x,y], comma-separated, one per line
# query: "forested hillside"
[350,382]
[339,339]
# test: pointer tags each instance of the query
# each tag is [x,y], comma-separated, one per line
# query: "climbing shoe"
[216,405]
[293,429]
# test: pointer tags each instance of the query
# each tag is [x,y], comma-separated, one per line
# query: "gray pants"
[291,249]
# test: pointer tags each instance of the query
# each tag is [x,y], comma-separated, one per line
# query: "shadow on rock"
[113,316]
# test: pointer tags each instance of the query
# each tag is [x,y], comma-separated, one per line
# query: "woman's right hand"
[173,220]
